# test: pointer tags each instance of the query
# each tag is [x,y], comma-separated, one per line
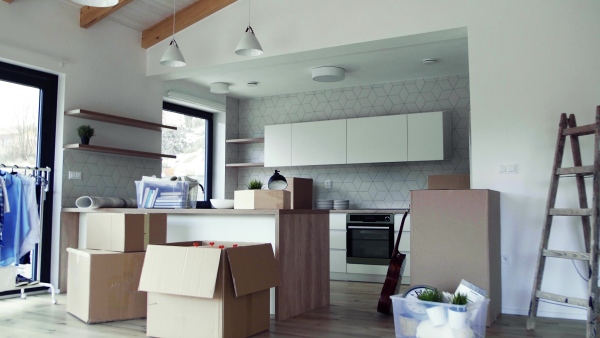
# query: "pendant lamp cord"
[173,19]
[248,13]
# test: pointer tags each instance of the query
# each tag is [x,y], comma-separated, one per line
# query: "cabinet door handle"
[368,228]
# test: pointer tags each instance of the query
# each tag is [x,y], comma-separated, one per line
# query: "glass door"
[28,100]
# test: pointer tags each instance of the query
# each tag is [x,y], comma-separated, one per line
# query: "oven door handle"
[367,228]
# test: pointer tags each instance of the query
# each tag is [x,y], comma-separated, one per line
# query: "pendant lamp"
[249,45]
[277,181]
[97,3]
[172,56]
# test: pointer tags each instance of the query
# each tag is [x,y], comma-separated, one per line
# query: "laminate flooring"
[351,314]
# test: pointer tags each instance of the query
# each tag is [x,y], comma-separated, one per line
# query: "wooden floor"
[351,314]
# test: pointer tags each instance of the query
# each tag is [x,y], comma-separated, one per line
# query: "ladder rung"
[581,130]
[567,254]
[583,170]
[571,212]
[561,299]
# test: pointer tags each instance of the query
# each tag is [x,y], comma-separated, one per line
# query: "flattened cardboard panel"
[253,268]
[158,229]
[98,231]
[179,316]
[179,270]
[133,234]
[78,281]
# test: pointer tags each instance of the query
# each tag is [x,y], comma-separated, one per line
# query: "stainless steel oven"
[369,238]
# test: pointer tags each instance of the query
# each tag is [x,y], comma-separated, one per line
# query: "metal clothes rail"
[41,175]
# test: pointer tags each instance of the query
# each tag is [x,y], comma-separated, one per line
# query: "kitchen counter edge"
[198,211]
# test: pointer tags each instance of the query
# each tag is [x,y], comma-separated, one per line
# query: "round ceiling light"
[328,74]
[97,3]
[219,88]
[429,61]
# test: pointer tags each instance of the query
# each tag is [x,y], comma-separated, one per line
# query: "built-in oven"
[369,238]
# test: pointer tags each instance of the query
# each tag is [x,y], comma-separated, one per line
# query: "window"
[192,144]
[28,102]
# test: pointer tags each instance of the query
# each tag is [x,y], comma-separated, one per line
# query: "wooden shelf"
[247,140]
[91,115]
[244,165]
[87,147]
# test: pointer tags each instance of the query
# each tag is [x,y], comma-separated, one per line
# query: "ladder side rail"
[537,282]
[593,266]
[575,147]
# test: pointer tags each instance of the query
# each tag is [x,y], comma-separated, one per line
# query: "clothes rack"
[42,176]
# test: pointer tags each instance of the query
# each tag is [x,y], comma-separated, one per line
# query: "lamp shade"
[249,45]
[277,181]
[328,74]
[173,56]
[219,88]
[97,3]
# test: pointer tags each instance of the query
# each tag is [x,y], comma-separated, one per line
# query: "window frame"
[209,147]
[48,85]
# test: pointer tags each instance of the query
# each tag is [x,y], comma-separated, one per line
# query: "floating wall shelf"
[87,147]
[247,140]
[244,165]
[91,115]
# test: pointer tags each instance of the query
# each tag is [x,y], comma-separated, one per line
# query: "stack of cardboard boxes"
[103,279]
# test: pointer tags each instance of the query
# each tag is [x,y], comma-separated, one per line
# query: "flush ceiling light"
[173,56]
[328,74]
[219,88]
[97,3]
[429,61]
[249,45]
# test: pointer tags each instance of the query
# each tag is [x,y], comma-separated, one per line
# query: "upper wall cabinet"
[278,145]
[315,143]
[377,139]
[429,136]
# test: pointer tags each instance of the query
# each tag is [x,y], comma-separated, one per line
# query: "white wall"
[104,72]
[529,61]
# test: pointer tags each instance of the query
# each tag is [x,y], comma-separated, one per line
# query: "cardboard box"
[206,291]
[464,228]
[103,285]
[125,232]
[440,182]
[261,199]
[301,190]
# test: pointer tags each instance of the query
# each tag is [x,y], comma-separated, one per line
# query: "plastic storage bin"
[416,318]
[166,194]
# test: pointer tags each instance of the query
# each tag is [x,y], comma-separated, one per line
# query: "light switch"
[74,175]
[511,168]
[328,184]
[502,168]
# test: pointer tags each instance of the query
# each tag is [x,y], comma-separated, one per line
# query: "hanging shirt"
[33,236]
[16,222]
[2,195]
[5,194]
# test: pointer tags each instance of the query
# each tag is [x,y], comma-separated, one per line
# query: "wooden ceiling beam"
[183,19]
[88,16]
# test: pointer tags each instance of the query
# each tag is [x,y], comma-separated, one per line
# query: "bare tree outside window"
[19,110]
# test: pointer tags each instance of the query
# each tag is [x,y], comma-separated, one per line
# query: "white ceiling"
[365,63]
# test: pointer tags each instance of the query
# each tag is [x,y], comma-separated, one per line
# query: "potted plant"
[457,313]
[85,133]
[436,314]
[255,184]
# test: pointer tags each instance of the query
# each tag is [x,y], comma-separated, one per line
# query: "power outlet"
[74,175]
[328,184]
[505,258]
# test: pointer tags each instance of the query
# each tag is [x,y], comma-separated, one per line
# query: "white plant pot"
[457,319]
[437,315]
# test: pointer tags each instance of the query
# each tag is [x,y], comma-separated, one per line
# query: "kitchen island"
[300,239]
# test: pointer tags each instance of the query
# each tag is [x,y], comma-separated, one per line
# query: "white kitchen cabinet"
[429,136]
[377,139]
[337,261]
[318,143]
[337,221]
[278,145]
[337,239]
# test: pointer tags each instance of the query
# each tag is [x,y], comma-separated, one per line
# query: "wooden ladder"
[568,127]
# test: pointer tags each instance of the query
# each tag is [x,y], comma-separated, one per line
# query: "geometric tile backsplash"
[381,185]
[104,175]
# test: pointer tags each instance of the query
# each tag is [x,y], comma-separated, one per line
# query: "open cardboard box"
[198,290]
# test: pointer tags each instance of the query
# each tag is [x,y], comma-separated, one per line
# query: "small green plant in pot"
[255,184]
[85,132]
[436,314]
[457,314]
